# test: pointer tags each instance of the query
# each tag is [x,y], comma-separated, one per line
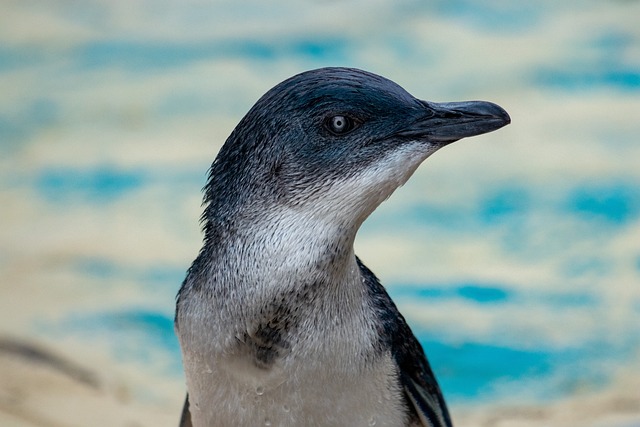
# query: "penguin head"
[337,140]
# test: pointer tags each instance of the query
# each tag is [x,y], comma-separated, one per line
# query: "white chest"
[228,391]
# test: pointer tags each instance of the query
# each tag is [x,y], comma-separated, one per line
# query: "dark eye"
[339,125]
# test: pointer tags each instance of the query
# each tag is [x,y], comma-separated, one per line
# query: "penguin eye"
[339,125]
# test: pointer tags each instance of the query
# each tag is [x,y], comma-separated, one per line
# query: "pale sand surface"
[43,392]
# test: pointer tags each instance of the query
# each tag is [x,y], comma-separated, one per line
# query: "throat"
[295,242]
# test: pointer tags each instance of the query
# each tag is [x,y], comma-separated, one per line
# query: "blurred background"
[515,256]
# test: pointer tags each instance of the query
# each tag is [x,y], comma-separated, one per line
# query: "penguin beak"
[444,123]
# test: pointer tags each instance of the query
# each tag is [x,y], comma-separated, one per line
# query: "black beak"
[448,122]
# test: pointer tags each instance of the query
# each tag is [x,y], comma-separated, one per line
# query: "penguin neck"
[281,244]
[248,267]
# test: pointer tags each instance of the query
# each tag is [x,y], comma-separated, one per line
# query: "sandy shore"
[40,388]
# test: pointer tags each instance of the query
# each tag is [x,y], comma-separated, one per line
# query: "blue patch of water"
[587,265]
[11,131]
[101,184]
[154,276]
[614,203]
[446,217]
[509,207]
[131,54]
[18,57]
[99,268]
[568,300]
[167,275]
[492,294]
[470,370]
[483,294]
[613,41]
[151,55]
[20,124]
[157,327]
[138,336]
[590,77]
[486,371]
[476,293]
[504,204]
[493,15]
[320,49]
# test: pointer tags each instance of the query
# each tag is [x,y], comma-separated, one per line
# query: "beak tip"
[500,113]
[489,110]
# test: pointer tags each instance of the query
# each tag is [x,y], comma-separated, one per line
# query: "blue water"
[100,185]
[617,203]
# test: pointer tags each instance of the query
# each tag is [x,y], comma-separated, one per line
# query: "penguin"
[279,322]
